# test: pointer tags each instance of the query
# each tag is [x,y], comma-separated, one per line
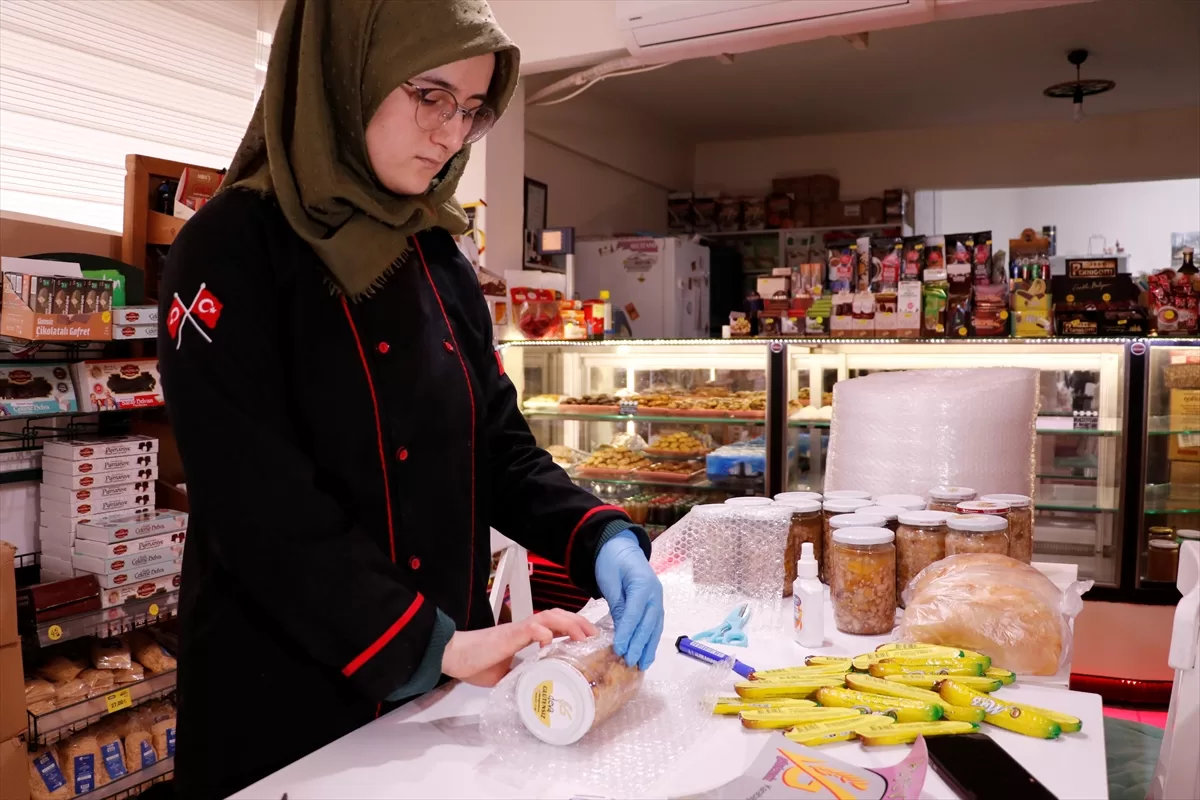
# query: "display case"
[775,397]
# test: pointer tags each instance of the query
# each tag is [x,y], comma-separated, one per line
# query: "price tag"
[153,609]
[118,700]
[55,633]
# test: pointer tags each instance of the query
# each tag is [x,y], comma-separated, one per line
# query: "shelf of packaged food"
[1059,425]
[697,485]
[808,423]
[109,621]
[670,420]
[1172,507]
[48,728]
[134,783]
[798,231]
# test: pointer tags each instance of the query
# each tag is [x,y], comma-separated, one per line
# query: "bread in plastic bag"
[162,735]
[99,681]
[150,654]
[135,673]
[68,692]
[60,668]
[37,690]
[82,764]
[47,781]
[111,653]
[994,605]
[139,750]
[112,751]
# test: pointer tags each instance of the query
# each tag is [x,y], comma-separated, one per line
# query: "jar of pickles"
[890,514]
[920,541]
[858,519]
[863,589]
[832,507]
[909,502]
[947,498]
[976,533]
[1020,524]
[806,527]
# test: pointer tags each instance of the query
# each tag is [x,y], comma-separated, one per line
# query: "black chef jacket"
[344,462]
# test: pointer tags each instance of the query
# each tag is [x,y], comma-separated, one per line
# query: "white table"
[405,755]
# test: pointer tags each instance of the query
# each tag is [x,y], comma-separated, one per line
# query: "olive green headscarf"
[332,64]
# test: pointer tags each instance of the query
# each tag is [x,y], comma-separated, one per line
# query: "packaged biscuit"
[43,294]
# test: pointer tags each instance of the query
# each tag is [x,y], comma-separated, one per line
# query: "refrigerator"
[659,287]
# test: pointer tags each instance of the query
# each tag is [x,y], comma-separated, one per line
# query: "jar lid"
[910,502]
[748,501]
[887,512]
[948,493]
[803,506]
[863,536]
[983,507]
[1187,533]
[925,519]
[1014,500]
[844,505]
[861,520]
[1162,530]
[555,702]
[1164,544]
[787,497]
[847,494]
[977,523]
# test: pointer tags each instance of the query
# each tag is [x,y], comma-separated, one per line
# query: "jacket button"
[383,347]
[402,454]
[414,563]
[446,344]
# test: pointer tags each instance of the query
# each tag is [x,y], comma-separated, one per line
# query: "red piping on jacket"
[387,492]
[381,642]
[578,525]
[471,396]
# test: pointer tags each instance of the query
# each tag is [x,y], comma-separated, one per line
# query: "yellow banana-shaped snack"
[863,662]
[999,713]
[768,690]
[837,730]
[901,709]
[797,673]
[1068,723]
[962,667]
[898,648]
[905,733]
[781,718]
[950,712]
[828,661]
[736,705]
[1002,675]
[979,683]
[960,661]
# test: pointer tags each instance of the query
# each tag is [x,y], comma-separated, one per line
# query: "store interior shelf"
[134,783]
[798,231]
[699,485]
[48,728]
[1169,426]
[1173,507]
[808,423]
[1086,508]
[1058,425]
[645,418]
[109,621]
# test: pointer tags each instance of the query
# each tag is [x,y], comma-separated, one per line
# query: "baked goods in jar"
[947,498]
[863,580]
[830,508]
[920,541]
[976,533]
[806,526]
[1020,524]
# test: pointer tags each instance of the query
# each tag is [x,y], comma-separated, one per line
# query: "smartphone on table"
[973,765]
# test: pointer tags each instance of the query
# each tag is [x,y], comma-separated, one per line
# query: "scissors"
[729,631]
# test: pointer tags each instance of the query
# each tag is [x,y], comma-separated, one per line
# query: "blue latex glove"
[634,597]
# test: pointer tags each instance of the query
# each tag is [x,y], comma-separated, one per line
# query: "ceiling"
[979,70]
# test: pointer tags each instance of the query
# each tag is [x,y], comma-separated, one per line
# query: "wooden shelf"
[162,228]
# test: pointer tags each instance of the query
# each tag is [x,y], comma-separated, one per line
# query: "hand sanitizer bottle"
[808,601]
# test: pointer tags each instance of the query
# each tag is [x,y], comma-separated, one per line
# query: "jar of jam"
[920,541]
[1162,560]
[976,533]
[947,498]
[829,509]
[1020,524]
[806,527]
[863,590]
[909,502]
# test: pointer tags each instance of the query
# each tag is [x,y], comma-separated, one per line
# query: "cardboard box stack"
[135,322]
[13,763]
[85,480]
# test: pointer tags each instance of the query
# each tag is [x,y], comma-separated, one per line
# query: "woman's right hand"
[485,656]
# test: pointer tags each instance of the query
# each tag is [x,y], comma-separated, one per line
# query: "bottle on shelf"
[808,601]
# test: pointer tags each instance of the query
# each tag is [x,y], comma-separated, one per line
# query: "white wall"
[1142,216]
[1129,147]
[557,35]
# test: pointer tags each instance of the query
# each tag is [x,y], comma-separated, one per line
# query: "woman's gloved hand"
[634,597]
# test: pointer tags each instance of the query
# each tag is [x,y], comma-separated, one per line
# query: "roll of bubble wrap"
[906,432]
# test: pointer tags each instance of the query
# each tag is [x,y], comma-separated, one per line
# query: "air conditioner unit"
[663,30]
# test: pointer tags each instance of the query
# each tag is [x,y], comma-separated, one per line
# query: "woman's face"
[406,158]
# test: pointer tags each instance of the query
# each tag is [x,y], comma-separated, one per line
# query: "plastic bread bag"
[60,668]
[46,778]
[139,750]
[132,675]
[112,751]
[68,692]
[994,605]
[150,654]
[111,653]
[37,690]
[162,736]
[82,763]
[99,681]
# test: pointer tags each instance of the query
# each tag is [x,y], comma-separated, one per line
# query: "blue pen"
[698,651]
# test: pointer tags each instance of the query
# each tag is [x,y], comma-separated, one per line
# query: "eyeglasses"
[436,107]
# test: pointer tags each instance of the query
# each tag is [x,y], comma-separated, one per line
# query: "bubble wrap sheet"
[906,432]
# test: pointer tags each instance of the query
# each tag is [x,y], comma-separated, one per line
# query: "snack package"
[935,252]
[132,675]
[887,256]
[574,687]
[841,259]
[112,653]
[162,735]
[149,653]
[68,692]
[729,213]
[99,681]
[112,753]
[933,304]
[1029,257]
[994,605]
[913,263]
[536,312]
[960,248]
[46,778]
[754,214]
[139,750]
[82,764]
[981,258]
[37,690]
[60,668]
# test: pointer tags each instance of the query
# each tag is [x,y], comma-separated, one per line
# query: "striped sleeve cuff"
[619,526]
[430,669]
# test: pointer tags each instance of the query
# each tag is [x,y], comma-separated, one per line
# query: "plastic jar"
[788,497]
[1186,535]
[806,526]
[573,688]
[1162,561]
[1020,524]
[976,533]
[830,509]
[909,502]
[863,589]
[847,494]
[749,501]
[920,541]
[988,507]
[890,514]
[947,498]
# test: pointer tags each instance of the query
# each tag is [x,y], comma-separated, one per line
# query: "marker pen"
[702,653]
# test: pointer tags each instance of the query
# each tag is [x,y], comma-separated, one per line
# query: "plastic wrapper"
[162,735]
[112,752]
[67,692]
[47,781]
[139,750]
[997,606]
[59,669]
[905,432]
[37,690]
[82,763]
[112,653]
[150,654]
[132,675]
[99,681]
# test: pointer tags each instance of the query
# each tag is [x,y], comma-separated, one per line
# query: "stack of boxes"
[135,322]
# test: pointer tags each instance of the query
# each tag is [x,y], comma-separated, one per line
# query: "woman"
[345,424]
